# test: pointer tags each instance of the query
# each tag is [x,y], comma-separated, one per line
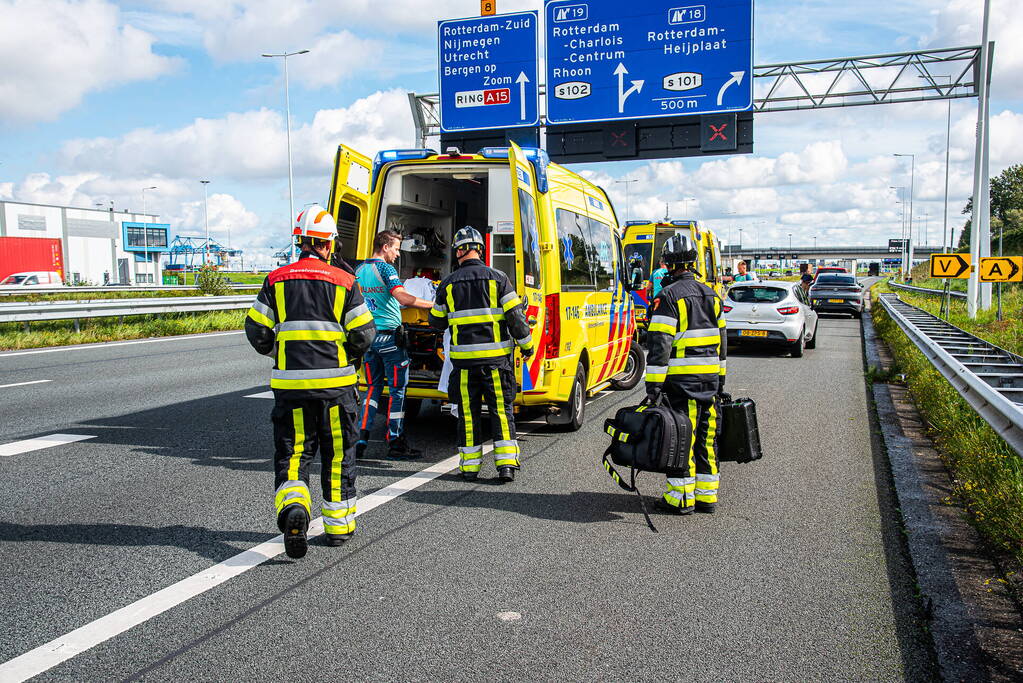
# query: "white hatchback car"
[773,312]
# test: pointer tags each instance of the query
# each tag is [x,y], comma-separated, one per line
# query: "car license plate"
[752,333]
[836,301]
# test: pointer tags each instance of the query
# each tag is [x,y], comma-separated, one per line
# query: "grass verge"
[987,475]
[72,295]
[62,333]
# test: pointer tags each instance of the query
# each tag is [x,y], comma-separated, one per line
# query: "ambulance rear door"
[350,199]
[528,272]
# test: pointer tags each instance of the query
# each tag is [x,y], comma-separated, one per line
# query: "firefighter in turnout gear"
[310,317]
[486,319]
[686,344]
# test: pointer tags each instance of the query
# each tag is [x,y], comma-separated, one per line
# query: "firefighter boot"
[707,508]
[506,473]
[293,522]
[399,449]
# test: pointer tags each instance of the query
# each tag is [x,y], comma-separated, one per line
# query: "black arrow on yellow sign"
[1001,269]
[950,265]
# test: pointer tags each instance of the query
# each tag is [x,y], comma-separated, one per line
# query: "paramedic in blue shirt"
[656,277]
[387,361]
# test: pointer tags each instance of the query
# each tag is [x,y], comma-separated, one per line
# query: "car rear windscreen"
[836,280]
[757,295]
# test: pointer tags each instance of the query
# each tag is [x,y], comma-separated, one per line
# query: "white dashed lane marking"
[40,442]
[22,384]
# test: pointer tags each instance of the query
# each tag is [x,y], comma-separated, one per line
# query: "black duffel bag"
[739,439]
[650,437]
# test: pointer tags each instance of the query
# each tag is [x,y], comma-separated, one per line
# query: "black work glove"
[527,352]
[653,394]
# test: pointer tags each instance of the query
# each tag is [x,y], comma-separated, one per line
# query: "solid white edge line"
[22,384]
[59,650]
[105,345]
[40,442]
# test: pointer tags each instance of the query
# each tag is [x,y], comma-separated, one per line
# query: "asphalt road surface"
[107,543]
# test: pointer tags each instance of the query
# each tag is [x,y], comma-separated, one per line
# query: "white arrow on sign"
[522,80]
[622,93]
[736,78]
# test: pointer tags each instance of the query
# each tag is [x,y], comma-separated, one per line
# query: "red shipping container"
[20,254]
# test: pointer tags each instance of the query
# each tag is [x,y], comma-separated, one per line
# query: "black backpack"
[650,437]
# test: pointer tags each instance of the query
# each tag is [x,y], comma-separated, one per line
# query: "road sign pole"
[978,234]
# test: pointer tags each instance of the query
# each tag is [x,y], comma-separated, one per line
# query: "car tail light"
[552,325]
[788,310]
[726,308]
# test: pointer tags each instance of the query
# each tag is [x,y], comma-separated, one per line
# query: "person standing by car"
[311,318]
[805,276]
[486,319]
[690,372]
[387,361]
[744,275]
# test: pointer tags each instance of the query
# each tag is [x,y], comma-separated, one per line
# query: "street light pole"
[287,109]
[206,218]
[145,232]
[685,206]
[912,180]
[628,208]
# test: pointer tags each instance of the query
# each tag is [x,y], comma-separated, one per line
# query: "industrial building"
[95,246]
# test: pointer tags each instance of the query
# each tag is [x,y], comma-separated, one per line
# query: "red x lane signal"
[718,131]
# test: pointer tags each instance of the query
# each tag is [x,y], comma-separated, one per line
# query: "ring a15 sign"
[489,72]
[609,60]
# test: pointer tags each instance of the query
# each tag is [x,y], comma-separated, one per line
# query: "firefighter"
[486,319]
[686,344]
[311,318]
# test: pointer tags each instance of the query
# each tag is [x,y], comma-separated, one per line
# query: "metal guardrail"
[924,290]
[988,377]
[23,291]
[32,311]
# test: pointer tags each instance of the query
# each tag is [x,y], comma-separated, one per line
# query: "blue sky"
[99,99]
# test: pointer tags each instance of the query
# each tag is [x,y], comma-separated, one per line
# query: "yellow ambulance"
[550,230]
[642,243]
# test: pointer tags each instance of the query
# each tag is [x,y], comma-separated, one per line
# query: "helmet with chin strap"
[678,251]
[315,223]
[468,238]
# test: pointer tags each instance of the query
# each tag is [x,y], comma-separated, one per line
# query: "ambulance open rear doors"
[349,201]
[528,264]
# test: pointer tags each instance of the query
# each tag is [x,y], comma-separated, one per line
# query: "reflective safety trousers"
[699,481]
[303,427]
[468,388]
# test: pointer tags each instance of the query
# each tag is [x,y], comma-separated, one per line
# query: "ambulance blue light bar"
[683,224]
[631,223]
[535,156]
[388,155]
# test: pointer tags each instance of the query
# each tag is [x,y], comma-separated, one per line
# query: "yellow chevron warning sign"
[1001,269]
[950,265]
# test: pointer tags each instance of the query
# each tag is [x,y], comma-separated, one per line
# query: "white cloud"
[818,162]
[959,23]
[249,145]
[54,52]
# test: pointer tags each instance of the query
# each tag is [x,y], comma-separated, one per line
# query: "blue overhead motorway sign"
[613,59]
[489,73]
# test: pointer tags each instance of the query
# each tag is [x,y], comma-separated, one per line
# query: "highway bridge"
[858,252]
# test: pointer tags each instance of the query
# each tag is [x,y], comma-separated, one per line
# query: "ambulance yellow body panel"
[550,230]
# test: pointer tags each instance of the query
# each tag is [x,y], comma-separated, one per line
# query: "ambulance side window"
[530,240]
[574,250]
[602,254]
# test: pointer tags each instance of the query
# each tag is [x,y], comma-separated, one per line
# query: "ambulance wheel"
[635,368]
[412,408]
[573,412]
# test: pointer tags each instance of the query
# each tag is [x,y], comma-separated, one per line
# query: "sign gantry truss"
[822,84]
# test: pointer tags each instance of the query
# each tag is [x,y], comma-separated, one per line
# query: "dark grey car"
[837,293]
